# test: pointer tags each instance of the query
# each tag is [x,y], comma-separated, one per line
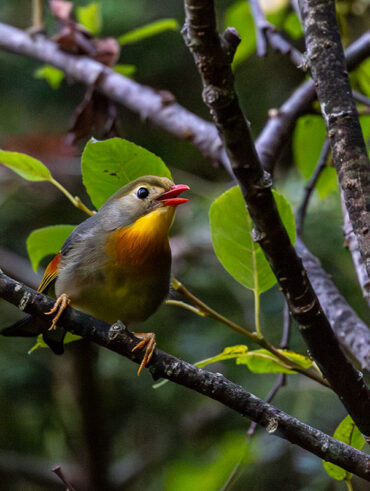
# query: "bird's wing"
[80,233]
[50,274]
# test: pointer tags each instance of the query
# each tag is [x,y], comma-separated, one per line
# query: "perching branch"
[329,72]
[212,55]
[213,385]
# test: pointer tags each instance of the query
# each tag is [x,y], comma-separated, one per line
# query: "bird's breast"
[143,245]
[134,277]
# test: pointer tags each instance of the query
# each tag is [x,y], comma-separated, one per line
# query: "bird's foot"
[148,340]
[60,305]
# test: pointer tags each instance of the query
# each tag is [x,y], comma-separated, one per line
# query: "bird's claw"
[148,339]
[60,305]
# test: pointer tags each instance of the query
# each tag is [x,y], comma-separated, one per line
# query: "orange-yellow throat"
[144,242]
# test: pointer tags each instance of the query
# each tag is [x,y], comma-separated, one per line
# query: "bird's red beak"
[169,198]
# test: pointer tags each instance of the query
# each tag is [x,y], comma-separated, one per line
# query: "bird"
[115,265]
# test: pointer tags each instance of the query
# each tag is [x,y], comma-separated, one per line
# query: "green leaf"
[26,166]
[110,164]
[239,15]
[346,432]
[46,241]
[292,26]
[308,139]
[363,77]
[90,17]
[227,354]
[232,239]
[40,343]
[126,70]
[327,183]
[52,75]
[262,361]
[365,126]
[258,361]
[149,30]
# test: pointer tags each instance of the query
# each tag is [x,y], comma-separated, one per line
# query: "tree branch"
[348,327]
[157,107]
[213,55]
[213,385]
[173,118]
[352,244]
[329,72]
[279,127]
[267,31]
[163,111]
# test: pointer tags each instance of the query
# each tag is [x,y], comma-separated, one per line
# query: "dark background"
[87,410]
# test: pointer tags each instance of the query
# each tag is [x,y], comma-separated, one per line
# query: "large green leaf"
[346,432]
[149,30]
[52,75]
[231,230]
[239,15]
[262,361]
[110,164]
[258,361]
[308,139]
[90,17]
[26,166]
[46,241]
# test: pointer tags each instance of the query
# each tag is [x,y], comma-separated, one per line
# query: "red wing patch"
[51,273]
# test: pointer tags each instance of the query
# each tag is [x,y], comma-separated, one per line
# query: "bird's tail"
[32,326]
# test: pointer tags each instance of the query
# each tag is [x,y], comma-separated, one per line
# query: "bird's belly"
[121,296]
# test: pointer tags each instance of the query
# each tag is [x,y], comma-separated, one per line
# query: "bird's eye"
[142,193]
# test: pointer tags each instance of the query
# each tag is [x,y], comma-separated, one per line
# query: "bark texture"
[330,75]
[213,54]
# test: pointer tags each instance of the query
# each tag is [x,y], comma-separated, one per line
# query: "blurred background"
[86,410]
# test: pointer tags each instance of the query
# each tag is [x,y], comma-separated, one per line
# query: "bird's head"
[143,196]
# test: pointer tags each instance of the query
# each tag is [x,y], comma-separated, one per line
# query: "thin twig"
[253,336]
[266,31]
[361,98]
[310,186]
[287,325]
[58,471]
[76,201]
